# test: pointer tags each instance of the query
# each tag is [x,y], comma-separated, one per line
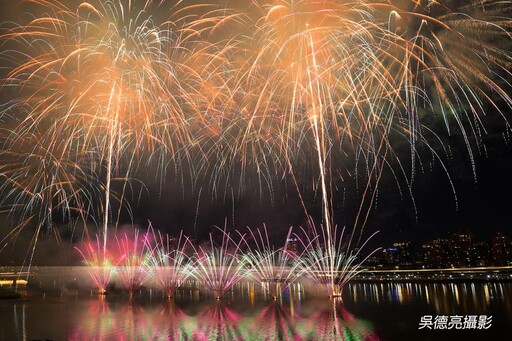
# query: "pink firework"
[100,262]
[131,269]
[167,262]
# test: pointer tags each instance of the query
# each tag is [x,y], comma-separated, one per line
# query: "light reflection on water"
[58,309]
[101,319]
[444,298]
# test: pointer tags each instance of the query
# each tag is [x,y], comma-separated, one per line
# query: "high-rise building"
[390,256]
[461,244]
[501,250]
[405,253]
[481,254]
[374,262]
[437,254]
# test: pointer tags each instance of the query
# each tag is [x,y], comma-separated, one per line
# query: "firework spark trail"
[332,266]
[325,71]
[272,268]
[41,183]
[107,80]
[132,267]
[101,264]
[268,88]
[42,180]
[219,267]
[168,264]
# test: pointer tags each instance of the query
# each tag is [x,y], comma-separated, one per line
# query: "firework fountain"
[132,267]
[219,267]
[101,264]
[168,263]
[332,266]
[273,269]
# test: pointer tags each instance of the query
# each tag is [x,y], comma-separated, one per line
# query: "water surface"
[61,305]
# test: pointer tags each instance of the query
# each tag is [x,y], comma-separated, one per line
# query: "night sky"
[481,204]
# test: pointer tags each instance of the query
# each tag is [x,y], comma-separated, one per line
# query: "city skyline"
[452,250]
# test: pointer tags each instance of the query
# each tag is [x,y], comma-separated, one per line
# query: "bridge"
[13,278]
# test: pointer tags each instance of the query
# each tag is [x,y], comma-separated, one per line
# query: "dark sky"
[481,205]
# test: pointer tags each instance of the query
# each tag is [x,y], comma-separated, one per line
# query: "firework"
[104,77]
[100,262]
[273,269]
[360,70]
[132,267]
[41,184]
[330,261]
[219,267]
[168,264]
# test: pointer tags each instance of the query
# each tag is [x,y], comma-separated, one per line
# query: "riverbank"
[8,293]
